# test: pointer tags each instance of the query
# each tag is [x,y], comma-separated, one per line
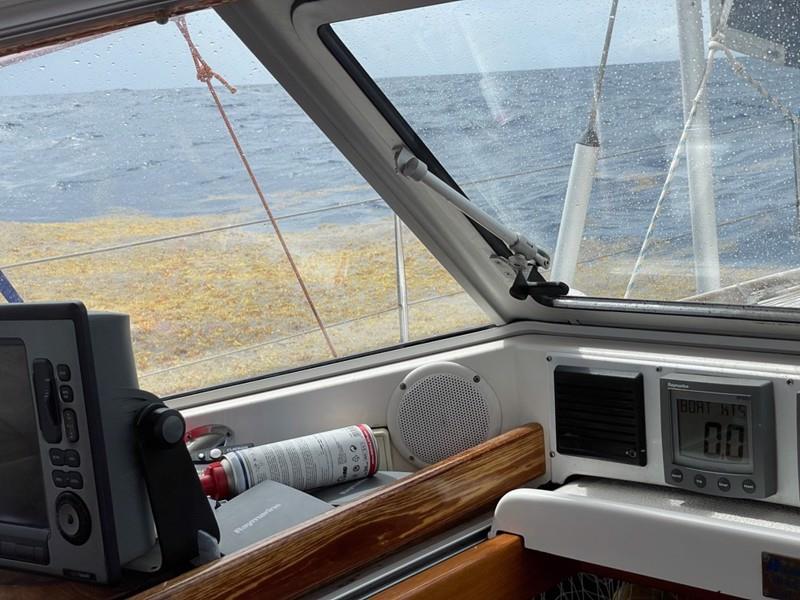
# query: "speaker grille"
[600,414]
[440,410]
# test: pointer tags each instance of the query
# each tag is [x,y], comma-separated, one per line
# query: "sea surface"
[507,138]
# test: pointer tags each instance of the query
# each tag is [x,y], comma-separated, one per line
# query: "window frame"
[319,15]
[306,68]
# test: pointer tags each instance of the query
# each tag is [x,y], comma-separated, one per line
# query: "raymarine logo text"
[256,519]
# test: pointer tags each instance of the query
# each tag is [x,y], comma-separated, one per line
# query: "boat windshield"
[127,183]
[512,98]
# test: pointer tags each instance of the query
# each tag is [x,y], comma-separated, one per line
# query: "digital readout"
[715,431]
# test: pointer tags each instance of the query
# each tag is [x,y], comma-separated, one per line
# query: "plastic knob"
[163,426]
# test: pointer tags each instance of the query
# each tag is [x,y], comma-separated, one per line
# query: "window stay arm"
[527,257]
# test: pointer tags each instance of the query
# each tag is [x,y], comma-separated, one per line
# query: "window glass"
[501,92]
[120,186]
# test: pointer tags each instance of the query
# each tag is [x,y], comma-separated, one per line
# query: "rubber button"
[700,481]
[676,475]
[72,458]
[71,425]
[56,457]
[75,480]
[749,486]
[63,372]
[65,393]
[723,484]
[60,478]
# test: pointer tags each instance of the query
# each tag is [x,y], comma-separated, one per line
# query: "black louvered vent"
[600,414]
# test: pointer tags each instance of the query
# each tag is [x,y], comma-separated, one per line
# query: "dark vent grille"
[600,414]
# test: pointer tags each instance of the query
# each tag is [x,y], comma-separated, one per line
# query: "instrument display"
[717,432]
[19,443]
[719,435]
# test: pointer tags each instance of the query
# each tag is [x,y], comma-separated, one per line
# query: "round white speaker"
[439,410]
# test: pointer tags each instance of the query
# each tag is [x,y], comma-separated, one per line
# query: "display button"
[60,478]
[71,424]
[723,484]
[46,401]
[64,374]
[73,519]
[75,480]
[72,458]
[56,457]
[65,392]
[700,481]
[676,475]
[749,486]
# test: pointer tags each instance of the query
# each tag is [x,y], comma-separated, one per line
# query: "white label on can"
[309,462]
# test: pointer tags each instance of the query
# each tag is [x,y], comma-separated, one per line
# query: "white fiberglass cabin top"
[548,250]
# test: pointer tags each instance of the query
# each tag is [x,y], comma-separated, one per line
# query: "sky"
[457,37]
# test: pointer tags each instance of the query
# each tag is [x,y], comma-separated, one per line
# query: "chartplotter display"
[19,443]
[719,435]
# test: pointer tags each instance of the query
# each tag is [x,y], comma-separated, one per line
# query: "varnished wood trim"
[324,549]
[499,568]
[158,11]
[502,569]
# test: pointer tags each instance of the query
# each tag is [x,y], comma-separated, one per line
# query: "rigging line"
[601,69]
[294,215]
[681,236]
[622,154]
[713,46]
[206,74]
[740,70]
[295,335]
[673,168]
[179,236]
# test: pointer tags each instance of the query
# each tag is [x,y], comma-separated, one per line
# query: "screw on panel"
[402,386]
[658,369]
[549,359]
[552,454]
[476,379]
[789,381]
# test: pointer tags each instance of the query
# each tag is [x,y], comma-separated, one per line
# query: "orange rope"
[206,74]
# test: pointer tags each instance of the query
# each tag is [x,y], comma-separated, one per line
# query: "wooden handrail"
[345,539]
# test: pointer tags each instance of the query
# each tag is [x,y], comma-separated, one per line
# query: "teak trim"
[345,539]
[500,568]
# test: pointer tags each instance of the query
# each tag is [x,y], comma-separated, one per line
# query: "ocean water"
[507,138]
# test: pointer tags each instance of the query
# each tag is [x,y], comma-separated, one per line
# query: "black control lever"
[538,290]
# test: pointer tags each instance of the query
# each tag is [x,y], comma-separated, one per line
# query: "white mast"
[698,147]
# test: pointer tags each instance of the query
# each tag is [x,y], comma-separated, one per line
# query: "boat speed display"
[714,427]
[718,435]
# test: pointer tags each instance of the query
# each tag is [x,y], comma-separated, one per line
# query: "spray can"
[304,463]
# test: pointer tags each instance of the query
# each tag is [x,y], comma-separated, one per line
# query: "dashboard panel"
[715,427]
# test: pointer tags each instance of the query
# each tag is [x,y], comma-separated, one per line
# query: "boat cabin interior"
[341,299]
